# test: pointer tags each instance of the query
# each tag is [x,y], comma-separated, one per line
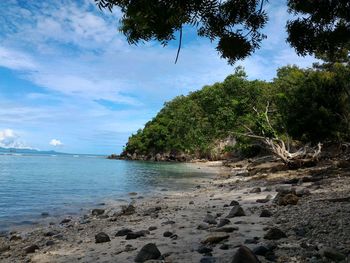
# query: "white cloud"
[10,139]
[17,60]
[55,142]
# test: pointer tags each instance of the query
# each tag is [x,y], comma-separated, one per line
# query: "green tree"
[319,28]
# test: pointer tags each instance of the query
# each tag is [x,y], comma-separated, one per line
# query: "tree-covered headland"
[299,107]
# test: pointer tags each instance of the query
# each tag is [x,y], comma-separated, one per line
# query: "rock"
[51,233]
[255,190]
[151,228]
[204,249]
[167,234]
[207,259]
[302,192]
[268,189]
[289,199]
[223,222]
[45,214]
[30,249]
[191,203]
[275,234]
[97,212]
[202,227]
[244,255]
[260,250]
[49,243]
[226,229]
[152,210]
[224,247]
[65,221]
[234,202]
[210,219]
[250,241]
[134,235]
[149,251]
[132,193]
[236,211]
[265,213]
[241,222]
[300,231]
[15,237]
[128,210]
[214,239]
[333,254]
[262,201]
[123,232]
[4,248]
[174,237]
[284,190]
[169,222]
[102,238]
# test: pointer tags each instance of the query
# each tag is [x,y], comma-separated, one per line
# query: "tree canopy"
[321,28]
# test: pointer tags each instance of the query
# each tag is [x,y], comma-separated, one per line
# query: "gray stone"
[244,255]
[204,249]
[102,238]
[167,234]
[223,222]
[210,219]
[255,190]
[147,252]
[333,254]
[234,202]
[236,211]
[123,232]
[30,249]
[97,212]
[275,234]
[265,213]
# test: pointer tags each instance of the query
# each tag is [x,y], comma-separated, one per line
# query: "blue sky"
[70,82]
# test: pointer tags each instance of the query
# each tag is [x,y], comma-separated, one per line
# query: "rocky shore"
[260,214]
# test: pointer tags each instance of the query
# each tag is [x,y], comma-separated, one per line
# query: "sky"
[70,82]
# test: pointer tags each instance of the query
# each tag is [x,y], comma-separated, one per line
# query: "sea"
[36,186]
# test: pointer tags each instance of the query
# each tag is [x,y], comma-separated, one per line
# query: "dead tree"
[305,156]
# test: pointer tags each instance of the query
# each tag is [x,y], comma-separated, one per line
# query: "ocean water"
[63,185]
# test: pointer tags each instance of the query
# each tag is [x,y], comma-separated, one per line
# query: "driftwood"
[305,156]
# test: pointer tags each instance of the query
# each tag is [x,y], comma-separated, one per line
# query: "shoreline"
[182,213]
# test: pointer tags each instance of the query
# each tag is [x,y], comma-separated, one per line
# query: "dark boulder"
[102,238]
[147,252]
[275,234]
[244,255]
[123,232]
[97,212]
[30,249]
[265,213]
[236,211]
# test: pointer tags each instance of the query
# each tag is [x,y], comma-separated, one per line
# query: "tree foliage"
[236,25]
[308,105]
[319,28]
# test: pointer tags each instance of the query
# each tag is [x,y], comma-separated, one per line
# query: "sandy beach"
[206,223]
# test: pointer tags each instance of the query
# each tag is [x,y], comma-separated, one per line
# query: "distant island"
[28,151]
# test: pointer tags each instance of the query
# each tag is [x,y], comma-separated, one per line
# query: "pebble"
[167,234]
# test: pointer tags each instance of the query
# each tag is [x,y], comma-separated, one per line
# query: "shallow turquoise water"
[30,185]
